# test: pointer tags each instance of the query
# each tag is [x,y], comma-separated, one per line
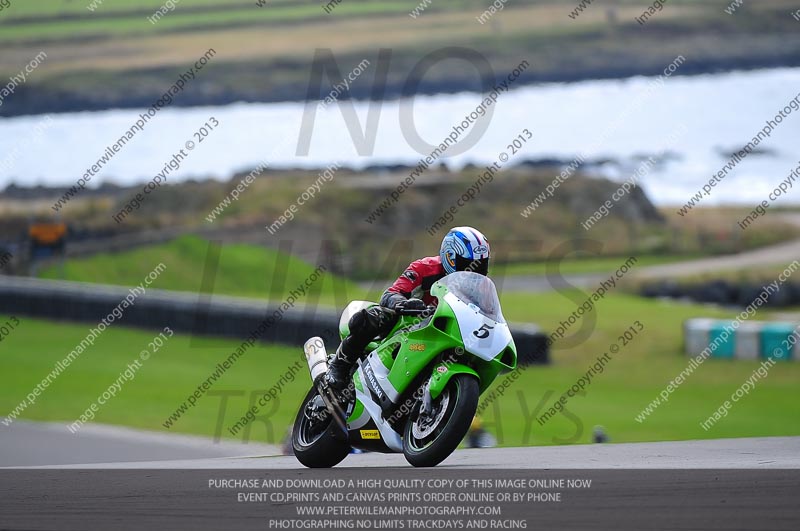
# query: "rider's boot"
[338,375]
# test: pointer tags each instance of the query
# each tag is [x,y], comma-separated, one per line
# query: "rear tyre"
[313,439]
[430,440]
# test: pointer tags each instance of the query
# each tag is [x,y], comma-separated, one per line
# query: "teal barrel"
[775,342]
[725,342]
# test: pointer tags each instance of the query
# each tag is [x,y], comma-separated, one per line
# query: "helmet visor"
[480,265]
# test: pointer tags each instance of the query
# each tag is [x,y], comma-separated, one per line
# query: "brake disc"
[426,424]
[315,408]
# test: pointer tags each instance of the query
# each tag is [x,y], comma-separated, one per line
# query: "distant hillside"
[334,228]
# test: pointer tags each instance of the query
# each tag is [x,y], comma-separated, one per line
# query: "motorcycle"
[416,391]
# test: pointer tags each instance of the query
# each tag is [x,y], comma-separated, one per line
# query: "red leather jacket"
[415,282]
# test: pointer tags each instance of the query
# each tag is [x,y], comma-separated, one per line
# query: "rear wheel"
[429,439]
[313,440]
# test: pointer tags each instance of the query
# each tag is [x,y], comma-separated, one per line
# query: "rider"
[463,249]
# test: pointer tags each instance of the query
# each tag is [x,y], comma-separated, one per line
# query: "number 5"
[482,332]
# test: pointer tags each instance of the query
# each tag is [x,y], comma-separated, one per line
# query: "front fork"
[426,407]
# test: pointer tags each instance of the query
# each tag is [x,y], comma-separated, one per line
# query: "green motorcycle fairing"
[419,350]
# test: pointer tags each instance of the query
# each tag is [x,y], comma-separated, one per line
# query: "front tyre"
[430,440]
[313,438]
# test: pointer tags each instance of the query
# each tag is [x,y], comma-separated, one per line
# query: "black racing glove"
[410,304]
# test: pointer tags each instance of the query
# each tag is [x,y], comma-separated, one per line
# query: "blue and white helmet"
[465,249]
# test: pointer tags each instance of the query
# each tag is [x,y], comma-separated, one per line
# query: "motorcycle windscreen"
[476,291]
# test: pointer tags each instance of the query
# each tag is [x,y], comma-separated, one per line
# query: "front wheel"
[430,439]
[313,440]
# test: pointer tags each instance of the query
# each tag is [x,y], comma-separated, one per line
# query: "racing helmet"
[465,249]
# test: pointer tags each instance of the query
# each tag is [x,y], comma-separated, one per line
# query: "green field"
[58,19]
[128,22]
[633,377]
[242,270]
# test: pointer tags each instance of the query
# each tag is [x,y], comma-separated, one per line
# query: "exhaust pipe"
[317,357]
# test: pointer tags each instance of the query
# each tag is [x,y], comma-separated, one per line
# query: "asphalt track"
[26,443]
[746,484]
[746,453]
